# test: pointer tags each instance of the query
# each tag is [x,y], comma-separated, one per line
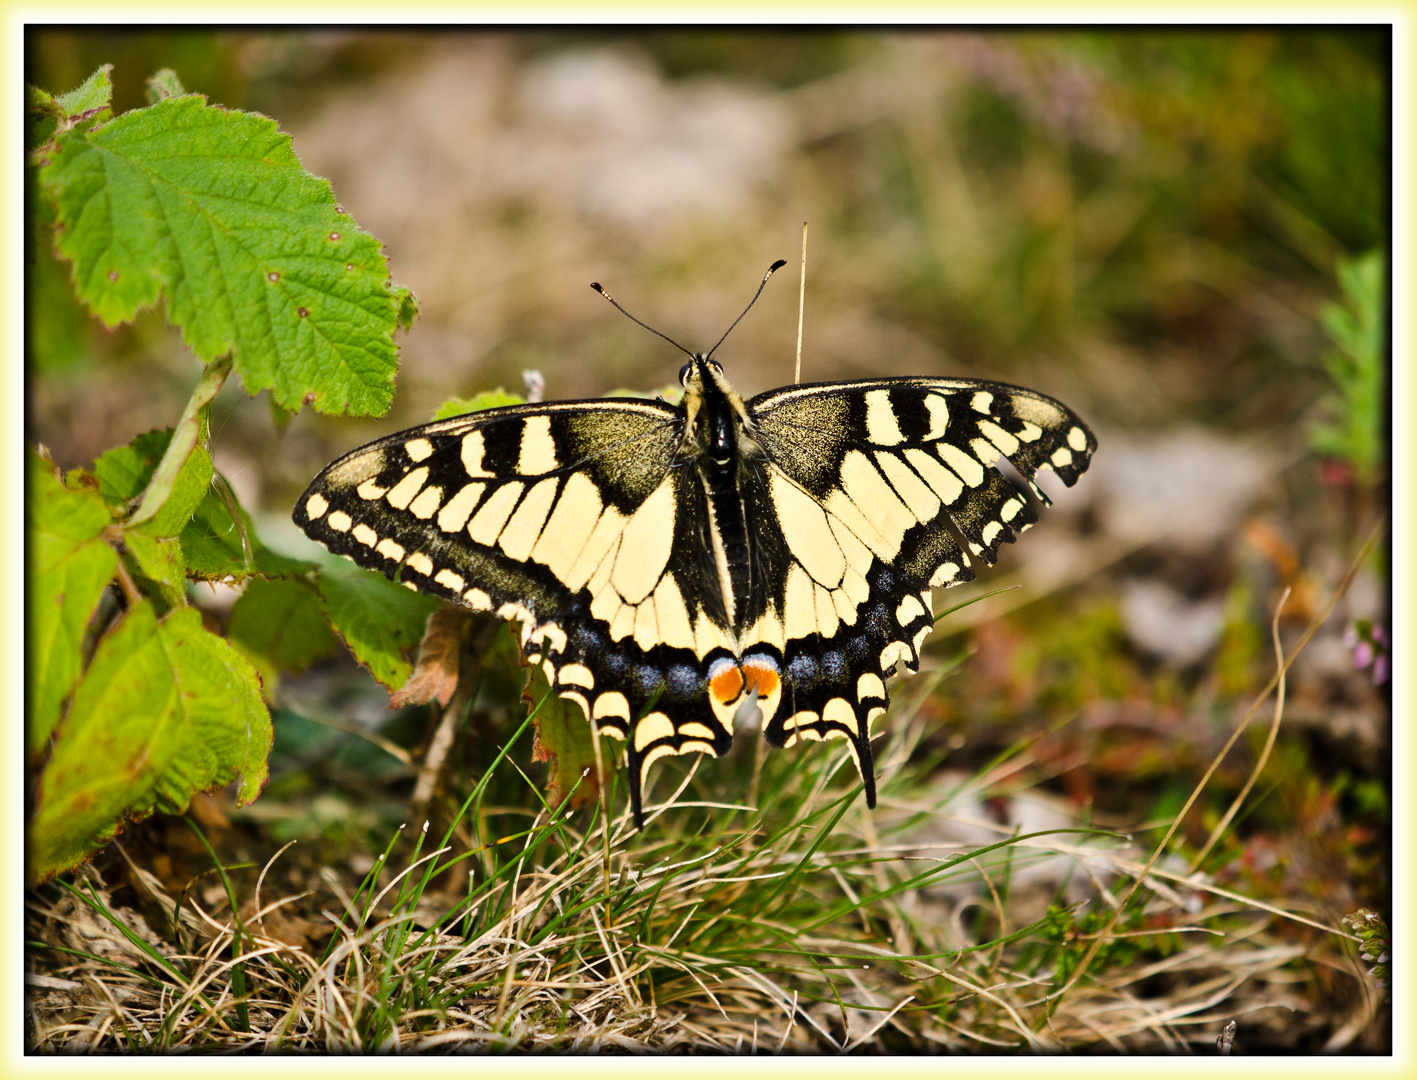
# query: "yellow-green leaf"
[210,210]
[70,565]
[165,710]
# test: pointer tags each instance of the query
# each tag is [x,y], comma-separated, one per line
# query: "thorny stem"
[184,438]
[1105,934]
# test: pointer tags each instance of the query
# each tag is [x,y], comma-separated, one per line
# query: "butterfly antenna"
[597,287]
[774,268]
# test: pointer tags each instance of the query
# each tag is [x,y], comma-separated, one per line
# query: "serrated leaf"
[211,542]
[165,710]
[435,675]
[281,622]
[159,561]
[42,102]
[379,620]
[190,488]
[212,545]
[562,739]
[488,399]
[95,95]
[210,209]
[70,566]
[124,472]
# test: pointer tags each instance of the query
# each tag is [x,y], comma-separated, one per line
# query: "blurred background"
[1150,226]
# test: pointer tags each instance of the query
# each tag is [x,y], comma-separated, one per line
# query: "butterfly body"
[672,564]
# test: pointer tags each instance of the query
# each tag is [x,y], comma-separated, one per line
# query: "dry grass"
[560,969]
[712,930]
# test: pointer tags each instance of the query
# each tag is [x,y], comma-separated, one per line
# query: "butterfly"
[671,565]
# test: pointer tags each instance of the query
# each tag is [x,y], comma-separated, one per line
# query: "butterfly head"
[714,413]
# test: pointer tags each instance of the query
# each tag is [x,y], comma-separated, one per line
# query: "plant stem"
[184,438]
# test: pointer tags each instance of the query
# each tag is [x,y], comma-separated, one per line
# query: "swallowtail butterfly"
[670,563]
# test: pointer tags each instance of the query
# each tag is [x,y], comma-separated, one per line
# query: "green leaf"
[210,209]
[191,487]
[90,99]
[488,399]
[211,541]
[379,620]
[212,544]
[69,569]
[563,740]
[1352,430]
[166,710]
[408,306]
[283,623]
[124,472]
[42,102]
[164,84]
[160,562]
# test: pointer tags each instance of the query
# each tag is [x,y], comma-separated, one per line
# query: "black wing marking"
[900,468]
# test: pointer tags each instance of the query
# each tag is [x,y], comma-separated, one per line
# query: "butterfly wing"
[877,488]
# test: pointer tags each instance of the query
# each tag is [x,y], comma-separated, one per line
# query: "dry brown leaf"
[435,675]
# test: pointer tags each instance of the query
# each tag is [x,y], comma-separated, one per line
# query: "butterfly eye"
[684,374]
[716,366]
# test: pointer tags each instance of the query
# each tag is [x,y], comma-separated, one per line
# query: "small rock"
[1164,623]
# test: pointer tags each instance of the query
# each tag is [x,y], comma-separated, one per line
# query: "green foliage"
[165,709]
[158,562]
[488,399]
[209,210]
[48,113]
[1069,931]
[376,618]
[164,84]
[124,473]
[69,569]
[217,544]
[1352,430]
[281,622]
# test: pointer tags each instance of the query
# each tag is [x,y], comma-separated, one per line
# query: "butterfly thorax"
[720,448]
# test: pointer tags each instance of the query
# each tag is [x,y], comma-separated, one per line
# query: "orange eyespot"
[727,684]
[760,676]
